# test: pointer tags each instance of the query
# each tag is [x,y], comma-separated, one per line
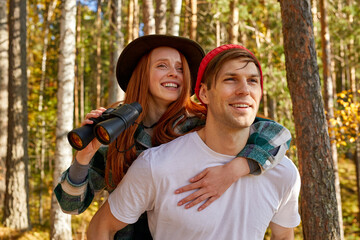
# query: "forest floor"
[79,223]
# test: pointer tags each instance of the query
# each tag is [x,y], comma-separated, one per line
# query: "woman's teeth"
[174,85]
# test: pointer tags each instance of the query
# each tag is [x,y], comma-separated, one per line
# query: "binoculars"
[107,127]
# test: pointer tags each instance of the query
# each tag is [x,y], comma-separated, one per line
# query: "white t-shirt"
[244,211]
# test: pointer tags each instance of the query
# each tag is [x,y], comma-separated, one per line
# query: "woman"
[159,72]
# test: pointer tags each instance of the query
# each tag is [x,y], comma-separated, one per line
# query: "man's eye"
[253,80]
[229,79]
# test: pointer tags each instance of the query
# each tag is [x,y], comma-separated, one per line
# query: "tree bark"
[16,207]
[174,20]
[136,19]
[186,18]
[98,54]
[234,22]
[77,65]
[319,208]
[41,145]
[116,46]
[193,22]
[160,17]
[60,222]
[148,17]
[4,79]
[329,99]
[130,28]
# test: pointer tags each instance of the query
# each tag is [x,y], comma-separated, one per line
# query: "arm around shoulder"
[104,225]
[267,144]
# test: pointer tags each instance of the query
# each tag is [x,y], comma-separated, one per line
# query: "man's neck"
[224,140]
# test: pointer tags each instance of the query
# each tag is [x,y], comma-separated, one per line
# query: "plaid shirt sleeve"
[267,144]
[76,198]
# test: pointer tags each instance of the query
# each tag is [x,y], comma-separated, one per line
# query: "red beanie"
[210,56]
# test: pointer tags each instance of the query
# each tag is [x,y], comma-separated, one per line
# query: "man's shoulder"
[168,149]
[286,171]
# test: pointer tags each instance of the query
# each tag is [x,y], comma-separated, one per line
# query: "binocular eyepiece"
[107,127]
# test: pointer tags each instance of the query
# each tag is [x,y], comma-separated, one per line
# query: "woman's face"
[166,76]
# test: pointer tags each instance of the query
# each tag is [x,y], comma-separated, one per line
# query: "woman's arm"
[266,146]
[75,197]
[85,177]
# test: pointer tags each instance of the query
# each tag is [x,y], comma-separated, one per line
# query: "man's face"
[234,98]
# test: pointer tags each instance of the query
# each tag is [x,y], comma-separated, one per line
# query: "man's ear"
[203,93]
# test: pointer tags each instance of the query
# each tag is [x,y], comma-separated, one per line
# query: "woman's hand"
[84,156]
[213,182]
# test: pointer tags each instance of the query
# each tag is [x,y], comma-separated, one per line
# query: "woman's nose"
[172,72]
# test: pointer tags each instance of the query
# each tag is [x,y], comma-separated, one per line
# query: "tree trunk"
[130,26]
[148,17]
[160,17]
[319,208]
[81,82]
[60,222]
[116,46]
[136,19]
[218,28]
[174,20]
[16,207]
[329,100]
[41,145]
[234,22]
[98,55]
[77,65]
[4,79]
[186,18]
[351,54]
[193,22]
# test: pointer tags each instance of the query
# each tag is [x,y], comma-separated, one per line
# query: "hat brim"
[135,50]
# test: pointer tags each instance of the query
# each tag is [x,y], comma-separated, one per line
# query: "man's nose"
[242,88]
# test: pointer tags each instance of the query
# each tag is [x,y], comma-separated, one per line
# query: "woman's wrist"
[83,158]
[238,168]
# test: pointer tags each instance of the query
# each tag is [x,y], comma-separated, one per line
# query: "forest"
[57,63]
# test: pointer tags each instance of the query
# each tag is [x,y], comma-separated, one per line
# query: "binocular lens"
[102,134]
[75,140]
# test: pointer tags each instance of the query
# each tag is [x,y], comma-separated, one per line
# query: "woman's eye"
[229,79]
[162,65]
[179,69]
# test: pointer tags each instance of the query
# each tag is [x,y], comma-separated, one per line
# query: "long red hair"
[138,90]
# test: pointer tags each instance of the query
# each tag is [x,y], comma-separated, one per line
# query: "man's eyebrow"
[235,74]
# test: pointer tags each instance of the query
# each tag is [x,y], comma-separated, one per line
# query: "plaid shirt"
[267,145]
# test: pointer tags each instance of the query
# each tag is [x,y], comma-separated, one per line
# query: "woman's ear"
[203,93]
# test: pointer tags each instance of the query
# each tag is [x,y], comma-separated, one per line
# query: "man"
[229,83]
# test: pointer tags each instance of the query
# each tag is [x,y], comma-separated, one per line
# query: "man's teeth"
[240,105]
[174,85]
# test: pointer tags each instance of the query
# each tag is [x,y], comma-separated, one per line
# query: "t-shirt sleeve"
[135,193]
[288,213]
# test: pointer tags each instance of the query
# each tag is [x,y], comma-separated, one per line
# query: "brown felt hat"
[135,50]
